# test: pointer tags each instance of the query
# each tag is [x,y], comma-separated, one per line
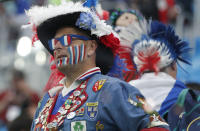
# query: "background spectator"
[14,97]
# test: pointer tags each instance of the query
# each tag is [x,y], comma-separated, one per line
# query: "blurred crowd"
[23,77]
[18,103]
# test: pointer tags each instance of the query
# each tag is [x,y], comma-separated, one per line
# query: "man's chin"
[63,68]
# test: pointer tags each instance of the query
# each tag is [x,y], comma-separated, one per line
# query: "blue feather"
[90,3]
[118,68]
[178,48]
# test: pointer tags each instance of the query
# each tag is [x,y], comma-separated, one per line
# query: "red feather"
[35,36]
[131,73]
[150,63]
[110,41]
[55,77]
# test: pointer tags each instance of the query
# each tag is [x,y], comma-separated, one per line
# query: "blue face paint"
[65,40]
[76,55]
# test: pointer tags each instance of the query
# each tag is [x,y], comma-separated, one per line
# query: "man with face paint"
[83,47]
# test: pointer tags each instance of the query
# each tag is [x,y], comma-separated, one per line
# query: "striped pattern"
[65,40]
[89,73]
[76,55]
[71,55]
[52,43]
[82,52]
[65,61]
[59,62]
[62,61]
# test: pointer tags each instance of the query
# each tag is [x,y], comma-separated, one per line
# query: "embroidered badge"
[92,109]
[98,85]
[78,126]
[156,120]
[99,127]
[144,105]
[80,112]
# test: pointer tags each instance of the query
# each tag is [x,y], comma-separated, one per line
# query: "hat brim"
[47,31]
[48,28]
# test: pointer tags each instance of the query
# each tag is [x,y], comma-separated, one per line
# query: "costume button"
[71,115]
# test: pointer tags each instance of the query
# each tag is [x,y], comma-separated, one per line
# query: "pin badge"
[62,110]
[67,107]
[77,93]
[78,102]
[73,108]
[82,97]
[52,125]
[68,101]
[71,115]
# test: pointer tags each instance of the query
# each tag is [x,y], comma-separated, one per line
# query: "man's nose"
[58,45]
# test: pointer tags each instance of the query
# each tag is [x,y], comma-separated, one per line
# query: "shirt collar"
[84,76]
[89,73]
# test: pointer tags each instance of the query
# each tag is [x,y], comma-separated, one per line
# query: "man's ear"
[92,46]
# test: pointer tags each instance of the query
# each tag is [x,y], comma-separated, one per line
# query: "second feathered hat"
[158,46]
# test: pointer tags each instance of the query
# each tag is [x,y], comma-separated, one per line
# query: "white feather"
[133,31]
[148,48]
[38,15]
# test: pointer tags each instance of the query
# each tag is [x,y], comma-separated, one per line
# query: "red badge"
[95,87]
[98,85]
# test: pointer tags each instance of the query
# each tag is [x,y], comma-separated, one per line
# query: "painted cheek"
[70,51]
[82,52]
[76,50]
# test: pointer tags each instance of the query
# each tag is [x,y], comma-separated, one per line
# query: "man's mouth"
[61,56]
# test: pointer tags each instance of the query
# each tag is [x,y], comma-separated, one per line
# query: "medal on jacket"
[68,109]
[41,121]
[77,98]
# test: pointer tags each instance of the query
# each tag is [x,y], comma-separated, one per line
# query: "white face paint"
[76,55]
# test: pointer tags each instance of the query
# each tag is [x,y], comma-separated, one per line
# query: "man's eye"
[75,39]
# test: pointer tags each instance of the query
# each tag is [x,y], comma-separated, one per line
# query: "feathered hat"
[116,13]
[157,46]
[47,20]
[123,67]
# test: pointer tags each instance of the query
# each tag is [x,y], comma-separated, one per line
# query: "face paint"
[65,40]
[76,55]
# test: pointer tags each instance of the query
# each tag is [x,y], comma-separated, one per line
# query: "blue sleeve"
[125,115]
[172,97]
[39,108]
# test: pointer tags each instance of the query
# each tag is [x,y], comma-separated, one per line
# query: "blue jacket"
[108,109]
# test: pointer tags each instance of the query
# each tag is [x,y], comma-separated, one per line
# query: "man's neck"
[74,73]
